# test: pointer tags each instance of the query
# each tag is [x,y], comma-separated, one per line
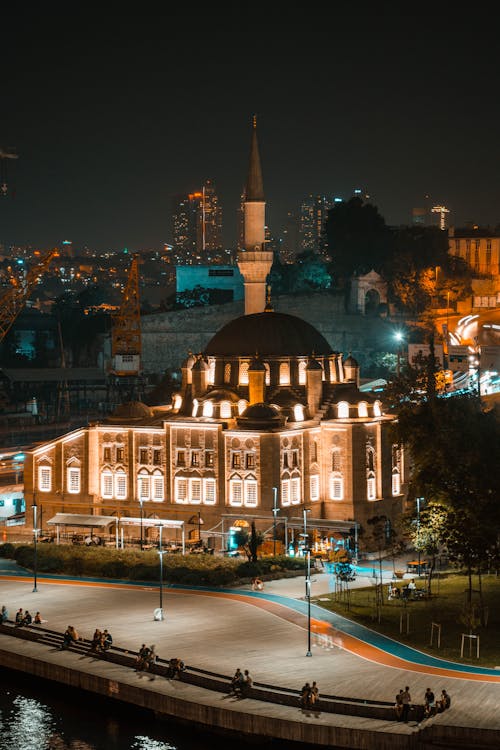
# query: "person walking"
[406,701]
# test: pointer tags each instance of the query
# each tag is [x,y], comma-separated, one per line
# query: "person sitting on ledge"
[38,619]
[19,617]
[175,667]
[27,619]
[4,614]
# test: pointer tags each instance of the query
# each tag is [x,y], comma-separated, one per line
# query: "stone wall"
[167,337]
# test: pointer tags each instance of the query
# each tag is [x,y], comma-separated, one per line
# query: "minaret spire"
[255,261]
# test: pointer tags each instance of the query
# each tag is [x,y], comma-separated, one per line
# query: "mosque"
[269,426]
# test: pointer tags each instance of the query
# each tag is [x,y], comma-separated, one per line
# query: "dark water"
[37,715]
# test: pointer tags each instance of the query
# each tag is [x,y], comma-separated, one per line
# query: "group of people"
[102,640]
[431,705]
[241,683]
[23,618]
[145,657]
[309,695]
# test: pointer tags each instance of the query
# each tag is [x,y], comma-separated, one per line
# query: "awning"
[78,519]
[150,522]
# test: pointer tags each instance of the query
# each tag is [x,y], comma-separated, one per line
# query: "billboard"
[415,351]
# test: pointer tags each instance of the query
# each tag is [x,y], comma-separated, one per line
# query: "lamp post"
[419,500]
[399,338]
[275,512]
[35,539]
[141,501]
[199,528]
[308,581]
[161,552]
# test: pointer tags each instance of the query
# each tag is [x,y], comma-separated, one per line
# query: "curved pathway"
[342,632]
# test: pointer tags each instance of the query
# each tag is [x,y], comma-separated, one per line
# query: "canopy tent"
[102,522]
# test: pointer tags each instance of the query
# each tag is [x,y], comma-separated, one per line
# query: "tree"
[358,239]
[428,533]
[249,542]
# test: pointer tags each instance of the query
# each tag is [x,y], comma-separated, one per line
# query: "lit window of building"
[120,453]
[343,410]
[158,487]
[362,409]
[242,405]
[302,373]
[236,492]
[295,494]
[396,469]
[208,409]
[314,487]
[284,373]
[120,485]
[209,459]
[143,484]
[180,490]
[107,484]
[250,460]
[195,458]
[143,456]
[195,407]
[298,412]
[210,492]
[285,492]
[227,373]
[177,401]
[73,480]
[244,373]
[377,409]
[250,492]
[225,410]
[45,478]
[336,486]
[195,491]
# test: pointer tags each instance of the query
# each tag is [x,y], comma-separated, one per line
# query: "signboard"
[415,351]
[458,358]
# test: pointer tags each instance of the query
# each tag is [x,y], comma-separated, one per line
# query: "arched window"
[225,409]
[371,480]
[343,410]
[208,409]
[298,412]
[336,476]
[195,407]
[362,409]
[314,487]
[284,373]
[211,372]
[377,409]
[302,373]
[73,480]
[107,484]
[244,373]
[227,373]
[158,494]
[177,401]
[336,459]
[143,486]
[120,485]
[396,469]
[268,373]
[242,405]
[44,478]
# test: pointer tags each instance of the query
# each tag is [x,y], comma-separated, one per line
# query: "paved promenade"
[222,629]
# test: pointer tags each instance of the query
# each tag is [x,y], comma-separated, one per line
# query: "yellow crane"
[14,299]
[126,346]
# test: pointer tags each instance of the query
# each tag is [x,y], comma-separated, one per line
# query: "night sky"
[112,116]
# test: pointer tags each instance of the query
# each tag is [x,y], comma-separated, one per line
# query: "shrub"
[7,550]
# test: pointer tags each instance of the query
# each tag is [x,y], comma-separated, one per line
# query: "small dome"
[220,394]
[189,362]
[313,364]
[200,364]
[260,416]
[132,410]
[350,362]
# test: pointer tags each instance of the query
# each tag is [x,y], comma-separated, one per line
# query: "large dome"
[269,334]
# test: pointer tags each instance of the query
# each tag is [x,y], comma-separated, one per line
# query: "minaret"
[255,261]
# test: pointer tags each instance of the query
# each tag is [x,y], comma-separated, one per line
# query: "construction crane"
[14,299]
[126,329]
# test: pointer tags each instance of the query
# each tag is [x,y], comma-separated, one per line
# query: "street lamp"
[141,501]
[308,581]
[161,552]
[399,338]
[275,512]
[35,538]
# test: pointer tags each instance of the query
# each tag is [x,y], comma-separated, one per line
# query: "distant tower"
[255,261]
[211,221]
[443,219]
[313,215]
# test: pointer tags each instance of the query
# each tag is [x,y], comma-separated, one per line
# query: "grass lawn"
[444,607]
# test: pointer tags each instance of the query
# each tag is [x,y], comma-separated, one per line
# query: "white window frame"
[284,373]
[371,486]
[343,410]
[236,489]
[251,493]
[314,487]
[119,483]
[225,410]
[396,482]
[285,492]
[181,490]
[295,491]
[107,479]
[336,486]
[195,491]
[157,487]
[208,409]
[73,480]
[45,478]
[143,486]
[209,491]
[363,409]
[243,374]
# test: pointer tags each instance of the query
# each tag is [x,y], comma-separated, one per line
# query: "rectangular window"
[295,490]
[209,459]
[107,484]
[236,460]
[181,488]
[251,493]
[195,487]
[158,493]
[314,487]
[210,491]
[286,460]
[236,492]
[44,478]
[120,485]
[295,459]
[143,488]
[157,457]
[314,451]
[120,453]
[73,481]
[250,460]
[106,454]
[396,483]
[285,492]
[371,490]
[195,458]
[336,488]
[143,456]
[181,458]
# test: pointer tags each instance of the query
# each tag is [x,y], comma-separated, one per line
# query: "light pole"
[419,500]
[399,338]
[275,512]
[199,528]
[308,581]
[141,501]
[35,538]
[161,552]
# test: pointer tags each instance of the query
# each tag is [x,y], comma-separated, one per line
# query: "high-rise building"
[313,214]
[290,245]
[197,225]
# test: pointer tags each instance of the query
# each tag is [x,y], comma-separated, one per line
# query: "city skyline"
[110,121]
